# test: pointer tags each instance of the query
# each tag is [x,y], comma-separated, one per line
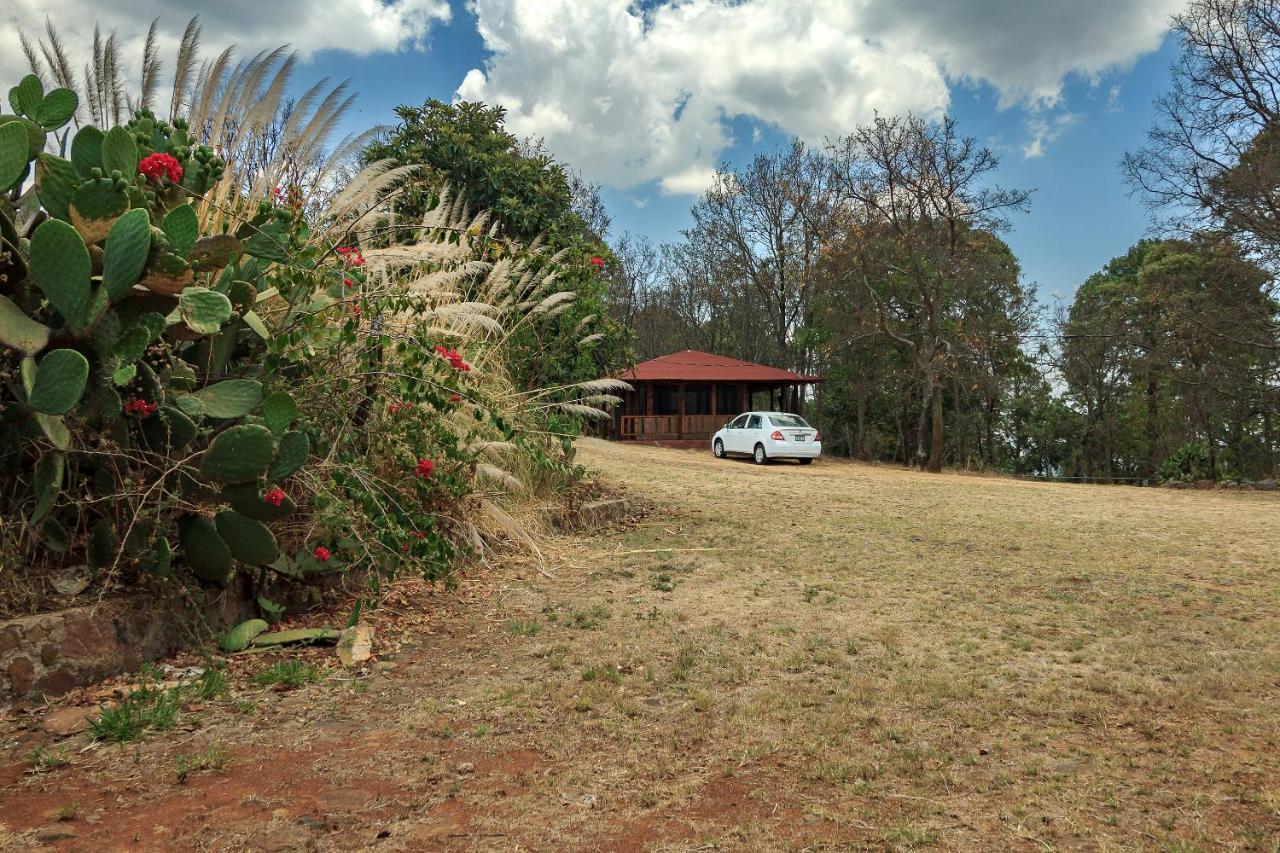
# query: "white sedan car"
[768,435]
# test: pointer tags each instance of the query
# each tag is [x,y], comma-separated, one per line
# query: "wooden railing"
[659,427]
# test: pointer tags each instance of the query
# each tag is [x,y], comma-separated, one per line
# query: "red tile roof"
[694,366]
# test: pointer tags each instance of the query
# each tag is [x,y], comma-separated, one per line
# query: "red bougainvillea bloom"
[351,254]
[355,309]
[346,282]
[275,497]
[159,166]
[141,408]
[418,534]
[455,398]
[453,357]
[322,553]
[425,469]
[597,262]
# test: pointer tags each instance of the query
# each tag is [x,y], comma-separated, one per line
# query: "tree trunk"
[935,441]
[1153,422]
[859,450]
[1268,444]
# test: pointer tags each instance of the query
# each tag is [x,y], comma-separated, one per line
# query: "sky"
[649,98]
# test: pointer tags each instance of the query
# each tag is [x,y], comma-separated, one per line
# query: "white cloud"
[1044,131]
[633,96]
[355,26]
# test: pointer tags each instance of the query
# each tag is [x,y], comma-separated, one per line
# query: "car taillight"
[817,436]
[777,436]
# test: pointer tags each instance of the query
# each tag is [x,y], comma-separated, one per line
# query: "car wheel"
[717,449]
[805,461]
[759,456]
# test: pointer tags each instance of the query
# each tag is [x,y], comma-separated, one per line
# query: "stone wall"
[50,653]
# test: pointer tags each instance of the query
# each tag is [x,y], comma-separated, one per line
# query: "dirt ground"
[832,657]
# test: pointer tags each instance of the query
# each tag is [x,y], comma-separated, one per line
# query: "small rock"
[50,834]
[1268,485]
[285,840]
[64,722]
[355,644]
[465,767]
[72,581]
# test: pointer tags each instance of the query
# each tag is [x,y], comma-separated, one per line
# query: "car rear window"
[788,421]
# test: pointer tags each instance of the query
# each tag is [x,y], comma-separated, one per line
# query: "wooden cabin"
[687,396]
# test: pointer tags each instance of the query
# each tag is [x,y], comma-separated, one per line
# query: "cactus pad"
[204,550]
[246,499]
[182,228]
[86,150]
[297,635]
[238,638]
[56,182]
[204,310]
[61,267]
[216,252]
[95,205]
[240,454]
[232,398]
[56,109]
[278,411]
[294,447]
[128,245]
[13,152]
[59,383]
[250,541]
[49,473]
[19,331]
[120,152]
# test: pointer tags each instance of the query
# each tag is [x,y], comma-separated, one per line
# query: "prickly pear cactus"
[136,405]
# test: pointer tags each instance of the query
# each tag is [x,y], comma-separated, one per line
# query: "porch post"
[715,392]
[680,409]
[648,398]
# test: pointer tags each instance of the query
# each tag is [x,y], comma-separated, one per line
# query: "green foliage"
[290,673]
[466,146]
[1192,463]
[145,710]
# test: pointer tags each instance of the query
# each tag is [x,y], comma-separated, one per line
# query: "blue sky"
[634,96]
[1081,214]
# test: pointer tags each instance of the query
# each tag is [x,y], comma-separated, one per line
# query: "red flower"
[355,309]
[159,166]
[322,553]
[455,398]
[597,262]
[418,534]
[425,469]
[141,408]
[346,282]
[275,497]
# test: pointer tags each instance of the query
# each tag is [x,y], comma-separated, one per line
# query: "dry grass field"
[839,656]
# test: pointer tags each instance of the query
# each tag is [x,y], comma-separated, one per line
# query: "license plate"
[798,437]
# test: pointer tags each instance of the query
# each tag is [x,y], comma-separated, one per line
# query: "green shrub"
[1191,463]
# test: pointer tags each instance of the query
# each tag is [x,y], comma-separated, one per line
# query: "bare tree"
[1210,158]
[765,226]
